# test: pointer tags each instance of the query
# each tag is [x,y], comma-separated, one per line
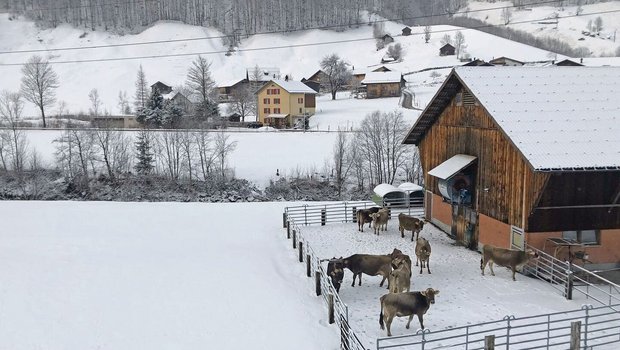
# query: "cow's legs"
[483,265]
[491,267]
[409,322]
[421,321]
[402,231]
[388,322]
[359,279]
[382,281]
[428,266]
[354,275]
[513,273]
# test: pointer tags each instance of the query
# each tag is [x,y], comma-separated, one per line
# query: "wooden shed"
[383,84]
[520,155]
[406,31]
[447,50]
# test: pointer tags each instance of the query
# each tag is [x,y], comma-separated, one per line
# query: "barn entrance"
[457,177]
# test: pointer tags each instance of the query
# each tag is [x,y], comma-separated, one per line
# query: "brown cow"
[363,217]
[400,278]
[405,304]
[423,254]
[504,257]
[395,254]
[371,265]
[409,223]
[335,271]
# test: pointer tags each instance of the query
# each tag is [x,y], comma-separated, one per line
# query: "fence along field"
[592,327]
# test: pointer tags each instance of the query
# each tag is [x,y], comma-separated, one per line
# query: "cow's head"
[395,253]
[531,254]
[335,271]
[419,226]
[374,216]
[430,293]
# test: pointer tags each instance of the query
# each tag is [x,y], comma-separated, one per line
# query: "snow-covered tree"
[201,84]
[153,114]
[446,39]
[506,15]
[427,34]
[39,84]
[395,51]
[13,141]
[336,71]
[144,152]
[459,43]
[598,24]
[95,103]
[123,103]
[142,93]
[244,102]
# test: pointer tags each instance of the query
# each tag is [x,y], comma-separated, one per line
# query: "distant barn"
[447,50]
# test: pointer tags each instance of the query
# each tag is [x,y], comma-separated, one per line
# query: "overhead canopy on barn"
[451,166]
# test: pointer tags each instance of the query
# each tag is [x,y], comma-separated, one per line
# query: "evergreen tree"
[172,115]
[153,115]
[144,166]
[141,96]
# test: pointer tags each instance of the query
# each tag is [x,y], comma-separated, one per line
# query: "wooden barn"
[447,50]
[525,155]
[383,84]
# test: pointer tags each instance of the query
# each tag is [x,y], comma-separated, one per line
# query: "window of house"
[276,110]
[267,110]
[299,109]
[276,101]
[591,237]
[268,91]
[276,91]
[266,101]
[458,99]
[300,100]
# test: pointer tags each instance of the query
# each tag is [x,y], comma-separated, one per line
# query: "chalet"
[383,84]
[227,90]
[382,69]
[447,50]
[161,87]
[387,39]
[318,78]
[187,104]
[517,156]
[406,31]
[568,63]
[283,104]
[505,61]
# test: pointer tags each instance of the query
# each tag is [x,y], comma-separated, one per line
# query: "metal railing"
[338,311]
[599,326]
[323,214]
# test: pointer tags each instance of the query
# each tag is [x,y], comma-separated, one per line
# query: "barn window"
[458,99]
[590,237]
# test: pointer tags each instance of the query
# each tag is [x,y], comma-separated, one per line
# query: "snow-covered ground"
[466,297]
[126,276]
[77,79]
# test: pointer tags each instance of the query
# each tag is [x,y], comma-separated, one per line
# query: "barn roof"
[382,189]
[410,187]
[559,118]
[382,77]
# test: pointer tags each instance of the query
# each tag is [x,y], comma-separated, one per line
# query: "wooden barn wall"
[577,189]
[512,187]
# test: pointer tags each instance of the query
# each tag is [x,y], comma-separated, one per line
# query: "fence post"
[284,220]
[575,335]
[306,214]
[586,308]
[323,216]
[294,238]
[308,266]
[569,282]
[354,214]
[301,251]
[288,230]
[345,212]
[389,212]
[508,319]
[489,342]
[317,282]
[330,308]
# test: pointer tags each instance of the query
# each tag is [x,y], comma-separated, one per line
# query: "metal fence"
[337,311]
[598,327]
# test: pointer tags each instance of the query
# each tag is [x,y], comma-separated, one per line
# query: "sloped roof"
[383,189]
[296,87]
[559,118]
[382,77]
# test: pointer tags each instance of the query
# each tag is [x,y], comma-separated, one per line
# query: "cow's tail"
[481,263]
[381,314]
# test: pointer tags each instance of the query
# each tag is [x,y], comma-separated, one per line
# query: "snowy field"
[466,296]
[126,276]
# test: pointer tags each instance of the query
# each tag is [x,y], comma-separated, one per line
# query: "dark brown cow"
[363,217]
[405,304]
[371,265]
[335,271]
[504,257]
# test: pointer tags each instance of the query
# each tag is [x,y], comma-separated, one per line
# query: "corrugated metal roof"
[560,118]
[382,77]
[383,189]
[451,166]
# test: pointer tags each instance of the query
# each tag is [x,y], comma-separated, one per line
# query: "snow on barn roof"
[383,189]
[410,186]
[559,118]
[294,86]
[382,77]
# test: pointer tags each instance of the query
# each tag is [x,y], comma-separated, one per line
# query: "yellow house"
[283,104]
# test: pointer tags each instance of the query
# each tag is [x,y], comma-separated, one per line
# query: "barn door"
[465,225]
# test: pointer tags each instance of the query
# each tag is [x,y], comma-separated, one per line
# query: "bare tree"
[169,153]
[459,43]
[206,154]
[123,103]
[112,148]
[75,153]
[188,147]
[598,24]
[95,103]
[223,148]
[341,165]
[201,84]
[39,82]
[506,15]
[446,39]
[395,51]
[378,30]
[244,102]
[337,73]
[427,34]
[14,142]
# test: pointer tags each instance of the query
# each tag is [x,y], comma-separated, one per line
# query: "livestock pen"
[467,303]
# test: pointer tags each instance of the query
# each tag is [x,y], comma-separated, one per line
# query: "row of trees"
[375,154]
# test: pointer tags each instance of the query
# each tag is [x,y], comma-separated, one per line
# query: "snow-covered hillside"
[298,54]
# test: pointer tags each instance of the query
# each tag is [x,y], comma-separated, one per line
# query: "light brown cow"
[409,223]
[400,278]
[372,265]
[504,257]
[363,217]
[379,220]
[396,254]
[405,304]
[423,254]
